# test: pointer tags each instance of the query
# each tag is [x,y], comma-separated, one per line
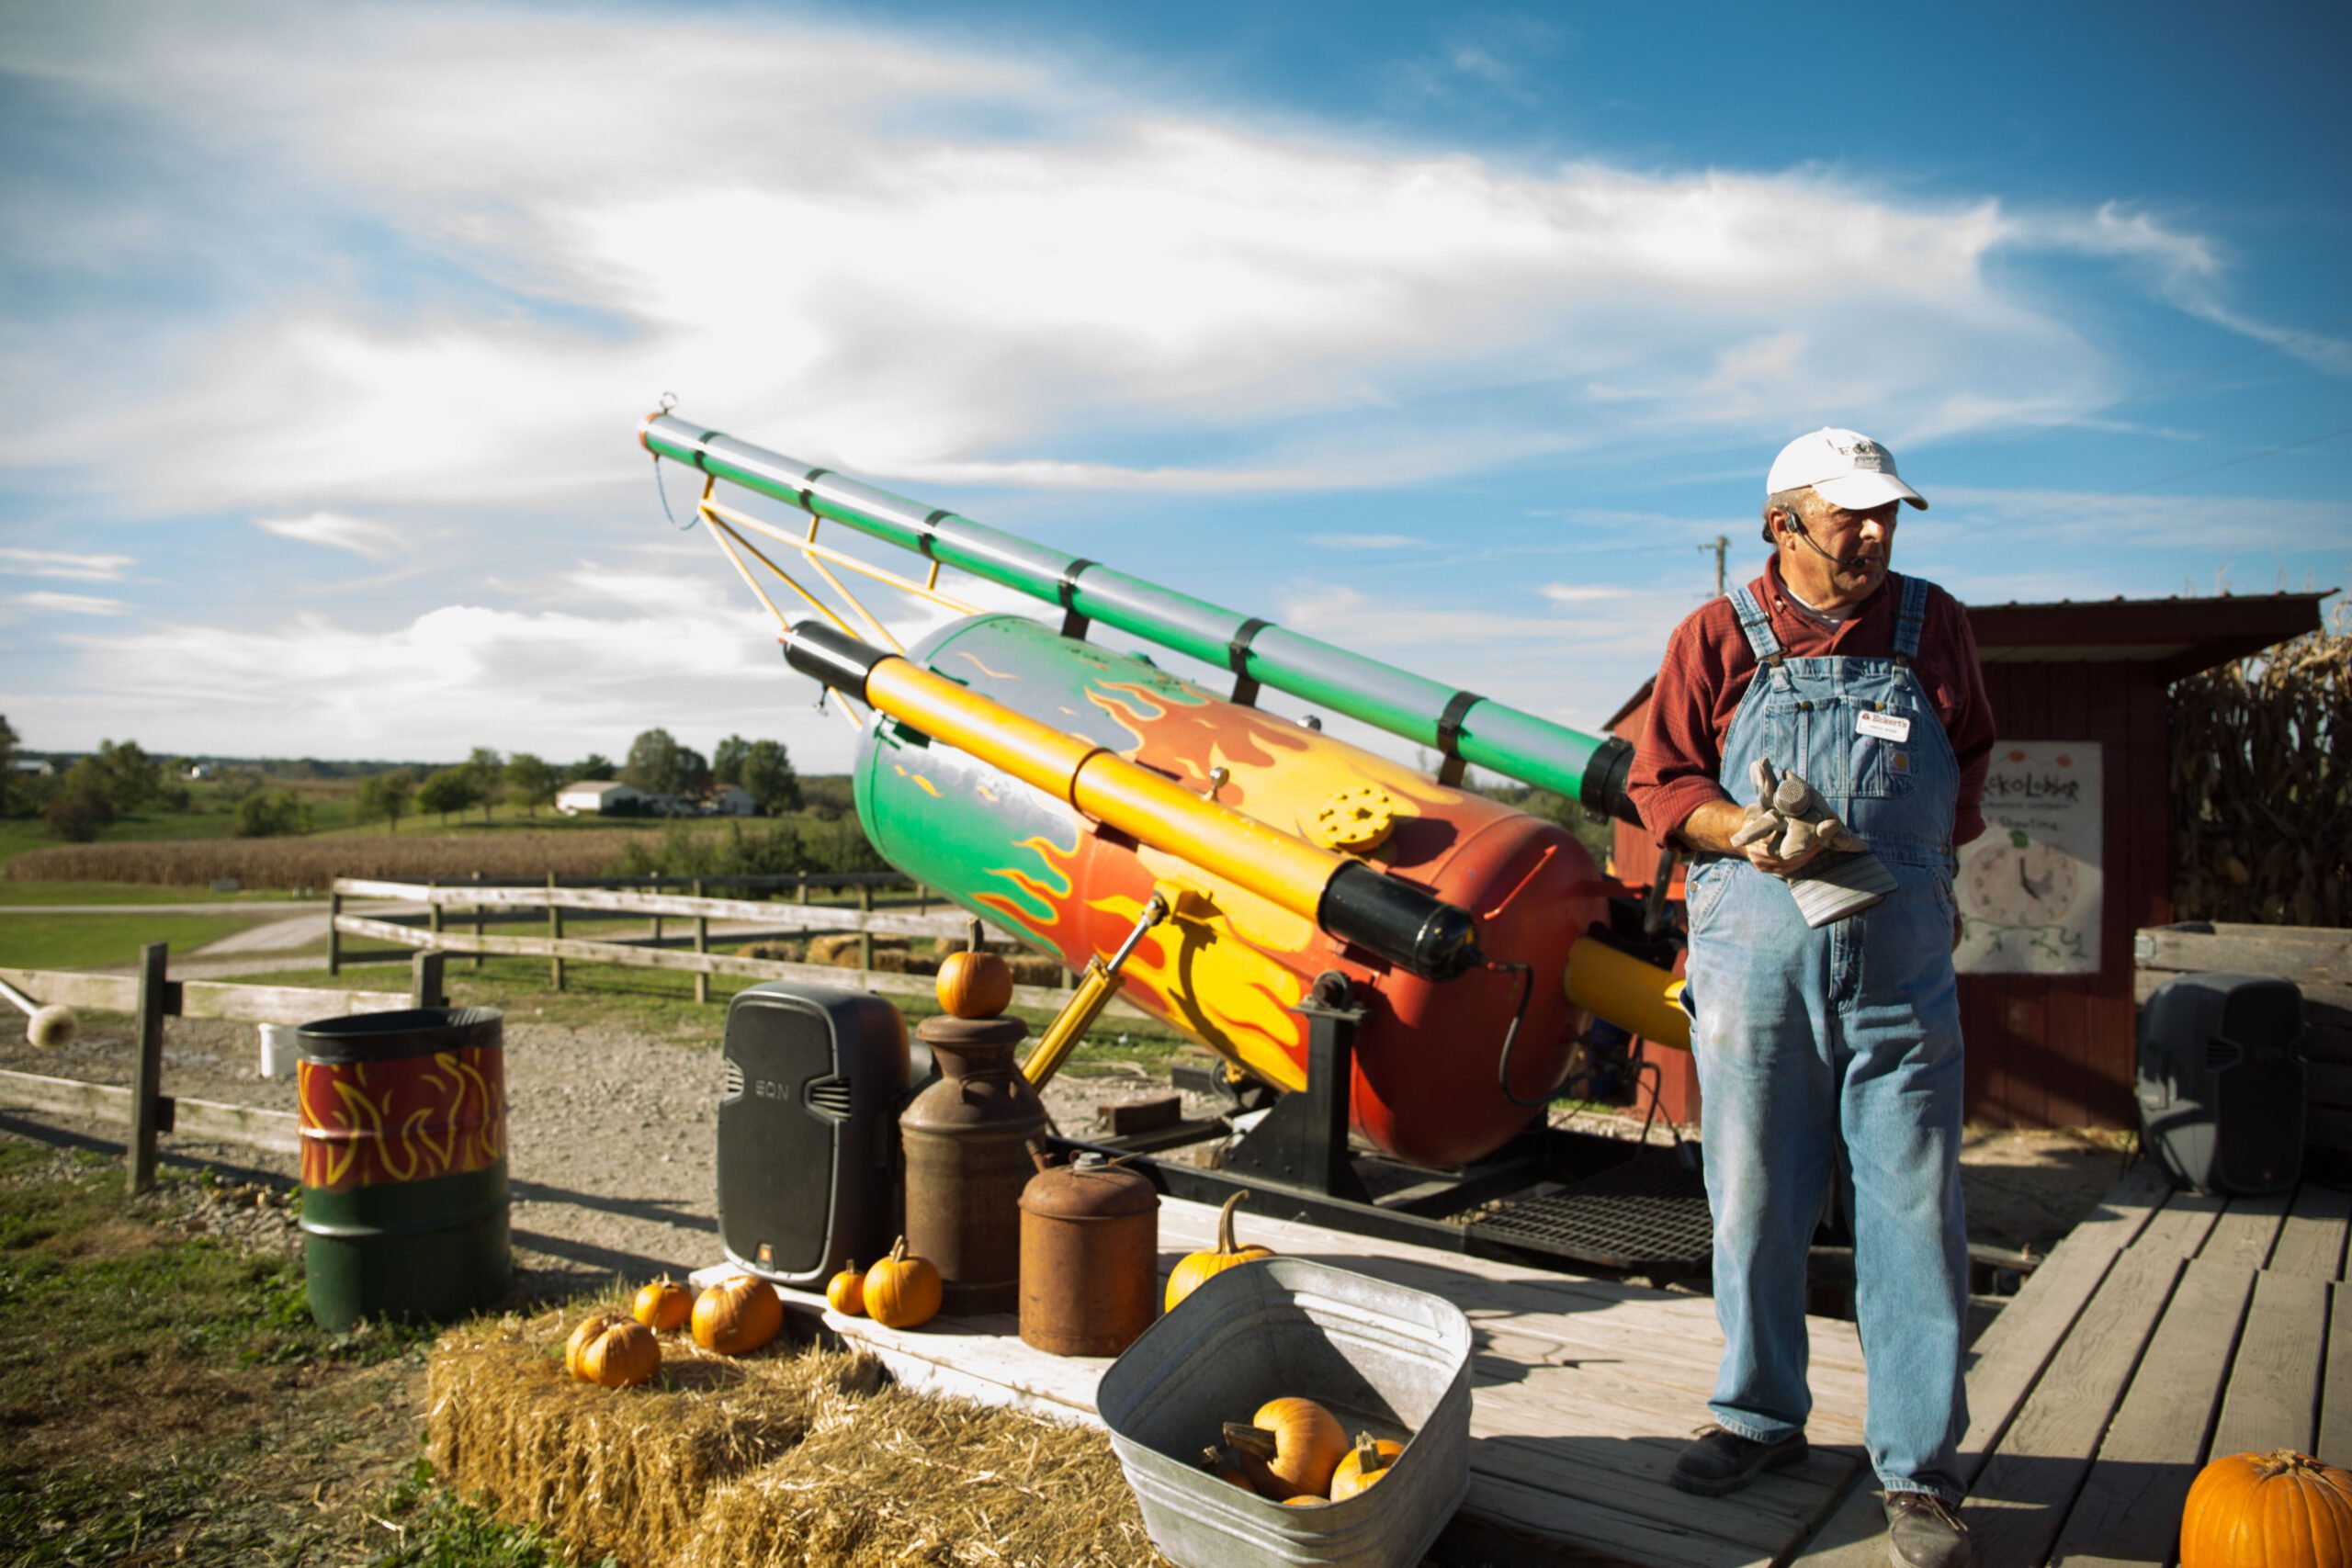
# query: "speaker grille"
[2220,1054]
[831,1097]
[734,1085]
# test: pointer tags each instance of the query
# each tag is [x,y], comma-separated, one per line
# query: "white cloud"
[71,604]
[15,562]
[336,531]
[1581,593]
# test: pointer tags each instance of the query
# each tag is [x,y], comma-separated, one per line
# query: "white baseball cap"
[1844,468]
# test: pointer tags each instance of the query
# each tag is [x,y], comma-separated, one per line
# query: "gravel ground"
[612,1142]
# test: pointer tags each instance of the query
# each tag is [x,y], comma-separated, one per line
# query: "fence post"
[432,917]
[555,929]
[864,931]
[424,983]
[800,887]
[334,937]
[147,1084]
[702,944]
[657,919]
[477,925]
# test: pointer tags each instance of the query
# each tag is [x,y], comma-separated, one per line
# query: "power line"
[2178,380]
[2173,478]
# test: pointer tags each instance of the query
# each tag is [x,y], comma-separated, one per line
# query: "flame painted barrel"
[403,1131]
[1230,966]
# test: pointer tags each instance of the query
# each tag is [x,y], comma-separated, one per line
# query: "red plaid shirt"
[1708,665]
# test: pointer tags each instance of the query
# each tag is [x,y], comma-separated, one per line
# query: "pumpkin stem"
[1225,1247]
[972,940]
[1212,1458]
[898,1250]
[1370,1461]
[2285,1461]
[1248,1440]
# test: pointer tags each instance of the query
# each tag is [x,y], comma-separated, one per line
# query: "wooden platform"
[2167,1329]
[1585,1391]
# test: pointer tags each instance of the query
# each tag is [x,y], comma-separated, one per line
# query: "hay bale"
[898,1477]
[619,1471]
[775,951]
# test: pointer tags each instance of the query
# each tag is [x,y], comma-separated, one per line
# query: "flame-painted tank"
[1229,966]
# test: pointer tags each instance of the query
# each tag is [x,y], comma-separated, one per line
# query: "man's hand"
[1713,824]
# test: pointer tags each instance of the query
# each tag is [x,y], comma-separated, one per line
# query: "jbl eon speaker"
[809,1130]
[2221,1081]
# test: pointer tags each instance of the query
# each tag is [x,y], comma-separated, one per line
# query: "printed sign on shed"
[2030,887]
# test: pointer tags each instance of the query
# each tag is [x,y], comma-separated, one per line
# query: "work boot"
[1922,1531]
[1722,1462]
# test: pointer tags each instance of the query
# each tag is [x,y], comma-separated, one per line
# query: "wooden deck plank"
[2008,1358]
[2128,1511]
[2273,1396]
[2311,1243]
[2247,1230]
[2184,1223]
[2335,1384]
[2020,1500]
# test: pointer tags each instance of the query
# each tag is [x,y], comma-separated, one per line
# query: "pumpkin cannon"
[1397,955]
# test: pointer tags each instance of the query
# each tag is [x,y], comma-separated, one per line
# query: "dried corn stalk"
[2262,786]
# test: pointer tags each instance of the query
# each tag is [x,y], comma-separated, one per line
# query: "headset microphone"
[1843,563]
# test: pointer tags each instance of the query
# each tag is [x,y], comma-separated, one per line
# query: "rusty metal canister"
[965,1139]
[1090,1257]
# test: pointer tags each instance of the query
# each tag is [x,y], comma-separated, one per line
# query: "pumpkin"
[845,1292]
[1187,1276]
[2280,1509]
[1290,1447]
[1366,1462]
[974,985]
[664,1305]
[737,1316]
[588,1329]
[1307,1500]
[1212,1461]
[902,1291]
[623,1356]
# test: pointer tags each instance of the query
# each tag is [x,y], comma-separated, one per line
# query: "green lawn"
[38,892]
[33,940]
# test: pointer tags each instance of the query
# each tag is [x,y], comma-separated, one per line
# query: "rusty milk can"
[965,1140]
[1089,1257]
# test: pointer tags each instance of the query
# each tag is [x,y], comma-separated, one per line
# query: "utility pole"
[1719,547]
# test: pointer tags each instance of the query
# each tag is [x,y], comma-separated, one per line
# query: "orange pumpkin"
[1366,1462]
[1306,1500]
[737,1316]
[845,1292]
[623,1356]
[974,985]
[2282,1510]
[664,1305]
[588,1329]
[1212,1461]
[1290,1447]
[902,1291]
[1187,1276]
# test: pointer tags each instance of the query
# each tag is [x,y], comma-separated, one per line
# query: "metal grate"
[733,1087]
[831,1097]
[1645,1216]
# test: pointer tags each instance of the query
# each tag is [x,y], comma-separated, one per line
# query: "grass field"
[29,940]
[13,892]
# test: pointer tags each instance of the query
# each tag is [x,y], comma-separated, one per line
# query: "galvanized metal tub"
[404,1197]
[1378,1356]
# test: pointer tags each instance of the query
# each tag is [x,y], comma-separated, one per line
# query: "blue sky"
[1451,336]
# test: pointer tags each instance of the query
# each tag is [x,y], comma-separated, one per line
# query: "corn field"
[311,864]
[2262,787]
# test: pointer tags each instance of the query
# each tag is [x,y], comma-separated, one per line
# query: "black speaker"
[2221,1081]
[809,1130]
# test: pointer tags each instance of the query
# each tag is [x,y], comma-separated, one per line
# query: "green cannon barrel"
[403,1133]
[1456,724]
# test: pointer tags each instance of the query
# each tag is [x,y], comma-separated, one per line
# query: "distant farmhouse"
[601,798]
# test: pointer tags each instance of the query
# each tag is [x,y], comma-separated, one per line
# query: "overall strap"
[1910,621]
[1752,621]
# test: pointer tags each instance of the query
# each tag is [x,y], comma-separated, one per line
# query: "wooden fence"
[456,915]
[151,996]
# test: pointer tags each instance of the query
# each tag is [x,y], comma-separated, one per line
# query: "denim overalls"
[1836,1052]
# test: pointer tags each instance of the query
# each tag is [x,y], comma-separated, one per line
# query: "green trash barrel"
[403,1130]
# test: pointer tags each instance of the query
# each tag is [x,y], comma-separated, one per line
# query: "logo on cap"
[1865,454]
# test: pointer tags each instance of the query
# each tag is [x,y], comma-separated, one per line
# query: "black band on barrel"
[1073,624]
[1411,928]
[1603,787]
[832,660]
[1449,735]
[928,536]
[1236,658]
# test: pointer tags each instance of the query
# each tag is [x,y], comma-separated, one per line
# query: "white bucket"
[279,1049]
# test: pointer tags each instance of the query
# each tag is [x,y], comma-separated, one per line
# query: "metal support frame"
[1302,1141]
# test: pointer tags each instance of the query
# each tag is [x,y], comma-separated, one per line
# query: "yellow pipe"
[1077,1015]
[1284,869]
[1629,993]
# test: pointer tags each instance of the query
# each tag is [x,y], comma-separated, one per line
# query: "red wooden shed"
[2055,1049]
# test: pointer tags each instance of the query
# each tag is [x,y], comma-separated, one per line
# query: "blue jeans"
[1822,1055]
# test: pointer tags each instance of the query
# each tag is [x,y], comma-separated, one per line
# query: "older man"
[1832,1051]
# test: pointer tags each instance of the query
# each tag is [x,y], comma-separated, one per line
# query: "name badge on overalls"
[1885,725]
